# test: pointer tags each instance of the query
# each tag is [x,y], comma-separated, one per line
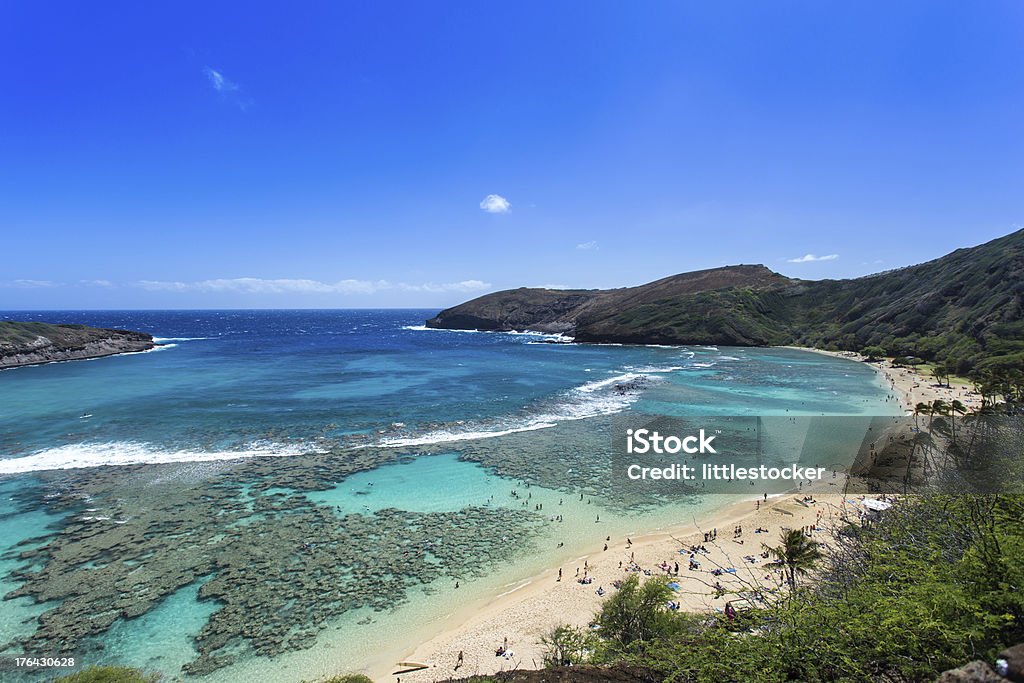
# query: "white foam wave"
[523,333]
[657,370]
[451,435]
[588,400]
[160,340]
[599,384]
[159,347]
[77,456]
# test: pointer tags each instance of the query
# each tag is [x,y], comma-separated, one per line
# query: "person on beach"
[559,573]
[458,662]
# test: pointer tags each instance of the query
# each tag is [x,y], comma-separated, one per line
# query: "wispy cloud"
[31,284]
[463,286]
[587,246]
[228,89]
[808,258]
[495,203]
[96,283]
[218,81]
[253,285]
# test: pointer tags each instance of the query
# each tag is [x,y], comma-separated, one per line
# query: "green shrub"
[109,674]
[349,678]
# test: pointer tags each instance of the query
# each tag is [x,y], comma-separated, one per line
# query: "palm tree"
[955,408]
[939,407]
[920,409]
[797,553]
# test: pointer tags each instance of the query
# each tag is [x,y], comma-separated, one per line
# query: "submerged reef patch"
[278,565]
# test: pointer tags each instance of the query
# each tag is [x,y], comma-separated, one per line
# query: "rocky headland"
[964,308]
[31,343]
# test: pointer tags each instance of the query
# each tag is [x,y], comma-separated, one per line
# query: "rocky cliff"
[29,343]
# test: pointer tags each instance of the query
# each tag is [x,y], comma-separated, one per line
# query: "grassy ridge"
[964,309]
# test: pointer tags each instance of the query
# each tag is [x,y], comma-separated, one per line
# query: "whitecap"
[548,336]
[115,453]
[600,397]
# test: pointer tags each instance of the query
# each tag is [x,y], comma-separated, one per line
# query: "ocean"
[275,494]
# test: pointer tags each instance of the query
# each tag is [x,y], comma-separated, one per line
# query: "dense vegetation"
[109,674]
[935,585]
[964,308]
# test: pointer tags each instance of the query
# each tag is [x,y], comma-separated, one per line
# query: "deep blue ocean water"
[230,384]
[270,381]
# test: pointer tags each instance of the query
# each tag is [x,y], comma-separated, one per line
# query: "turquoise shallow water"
[284,440]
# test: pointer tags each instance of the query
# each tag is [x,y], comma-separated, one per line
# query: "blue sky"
[330,154]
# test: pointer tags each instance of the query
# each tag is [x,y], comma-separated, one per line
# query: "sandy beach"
[519,618]
[909,386]
[522,617]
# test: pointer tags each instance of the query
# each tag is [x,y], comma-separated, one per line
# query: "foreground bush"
[938,583]
[349,678]
[109,674]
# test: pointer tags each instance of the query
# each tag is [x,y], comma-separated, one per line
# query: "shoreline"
[911,387]
[541,602]
[538,603]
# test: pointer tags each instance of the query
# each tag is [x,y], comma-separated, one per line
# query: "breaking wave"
[554,336]
[161,340]
[600,397]
[116,453]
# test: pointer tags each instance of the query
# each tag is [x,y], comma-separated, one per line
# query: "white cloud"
[228,89]
[33,284]
[495,203]
[464,286]
[254,285]
[217,80]
[808,258]
[587,246]
[96,283]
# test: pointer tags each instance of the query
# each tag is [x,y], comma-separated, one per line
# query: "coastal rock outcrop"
[31,343]
[964,308]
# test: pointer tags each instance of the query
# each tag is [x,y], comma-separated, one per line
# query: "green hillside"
[963,308]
